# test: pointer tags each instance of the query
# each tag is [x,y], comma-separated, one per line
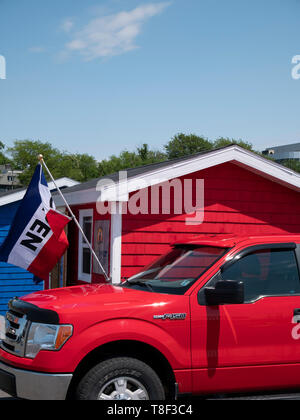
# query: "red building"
[227,191]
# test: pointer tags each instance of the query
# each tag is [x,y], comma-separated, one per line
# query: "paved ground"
[291,397]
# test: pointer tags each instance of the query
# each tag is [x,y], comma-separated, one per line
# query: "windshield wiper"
[141,283]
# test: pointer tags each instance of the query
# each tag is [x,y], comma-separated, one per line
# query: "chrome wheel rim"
[123,388]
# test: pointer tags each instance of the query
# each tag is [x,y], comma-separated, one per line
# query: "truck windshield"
[175,272]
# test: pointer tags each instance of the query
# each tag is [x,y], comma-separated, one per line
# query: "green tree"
[24,156]
[81,167]
[149,156]
[292,164]
[187,144]
[61,164]
[126,160]
[143,152]
[225,141]
[4,160]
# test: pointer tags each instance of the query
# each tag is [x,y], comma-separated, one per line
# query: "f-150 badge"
[171,317]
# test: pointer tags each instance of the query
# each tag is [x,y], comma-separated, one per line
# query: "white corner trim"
[116,244]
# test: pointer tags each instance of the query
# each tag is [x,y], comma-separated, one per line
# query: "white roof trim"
[19,195]
[235,154]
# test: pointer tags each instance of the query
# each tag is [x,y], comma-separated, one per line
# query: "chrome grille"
[16,328]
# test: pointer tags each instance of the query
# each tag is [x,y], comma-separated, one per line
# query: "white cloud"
[67,25]
[112,35]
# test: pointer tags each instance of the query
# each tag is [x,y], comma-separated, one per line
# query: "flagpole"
[41,159]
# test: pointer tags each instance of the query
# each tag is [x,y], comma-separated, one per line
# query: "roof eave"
[19,195]
[251,161]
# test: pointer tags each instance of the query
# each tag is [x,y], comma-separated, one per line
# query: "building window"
[84,252]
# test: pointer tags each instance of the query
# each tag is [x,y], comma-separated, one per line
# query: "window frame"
[244,253]
[297,251]
[255,248]
[81,245]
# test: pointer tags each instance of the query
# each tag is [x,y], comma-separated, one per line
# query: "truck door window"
[272,272]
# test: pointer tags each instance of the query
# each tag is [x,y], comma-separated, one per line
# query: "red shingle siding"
[236,201]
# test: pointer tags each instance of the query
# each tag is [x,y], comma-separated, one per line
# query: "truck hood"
[103,301]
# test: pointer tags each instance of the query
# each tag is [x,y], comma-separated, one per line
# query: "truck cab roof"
[230,241]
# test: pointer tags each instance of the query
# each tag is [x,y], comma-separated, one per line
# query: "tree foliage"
[4,160]
[126,160]
[225,141]
[183,145]
[188,144]
[83,167]
[292,164]
[61,164]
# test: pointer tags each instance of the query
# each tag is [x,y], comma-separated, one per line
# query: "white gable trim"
[19,195]
[235,154]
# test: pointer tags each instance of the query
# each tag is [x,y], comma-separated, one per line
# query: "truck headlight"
[46,337]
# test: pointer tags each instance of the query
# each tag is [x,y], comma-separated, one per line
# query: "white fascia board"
[269,169]
[235,154]
[78,197]
[19,195]
[120,191]
[12,198]
[91,195]
[63,182]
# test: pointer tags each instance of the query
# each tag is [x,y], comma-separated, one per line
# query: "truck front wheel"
[121,379]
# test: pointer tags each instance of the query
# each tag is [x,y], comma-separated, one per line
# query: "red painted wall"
[236,201]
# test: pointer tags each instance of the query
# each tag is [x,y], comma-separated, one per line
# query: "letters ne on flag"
[36,240]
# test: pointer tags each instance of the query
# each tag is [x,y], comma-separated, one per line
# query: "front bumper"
[30,385]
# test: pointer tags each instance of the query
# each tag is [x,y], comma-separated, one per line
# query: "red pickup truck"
[217,315]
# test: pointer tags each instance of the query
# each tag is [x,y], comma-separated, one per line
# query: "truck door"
[255,345]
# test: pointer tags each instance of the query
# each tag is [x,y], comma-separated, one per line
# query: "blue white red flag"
[36,240]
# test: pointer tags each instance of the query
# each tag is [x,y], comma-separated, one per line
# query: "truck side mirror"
[225,292]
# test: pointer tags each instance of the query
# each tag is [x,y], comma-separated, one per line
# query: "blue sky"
[101,76]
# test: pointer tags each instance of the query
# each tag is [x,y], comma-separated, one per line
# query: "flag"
[36,240]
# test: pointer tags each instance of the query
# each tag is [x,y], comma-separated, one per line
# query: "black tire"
[102,379]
